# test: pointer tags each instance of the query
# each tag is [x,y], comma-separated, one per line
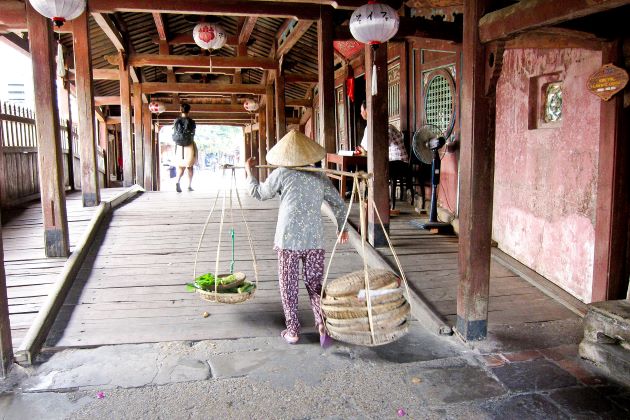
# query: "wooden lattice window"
[439,100]
[393,94]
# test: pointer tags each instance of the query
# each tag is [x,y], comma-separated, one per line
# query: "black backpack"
[183,132]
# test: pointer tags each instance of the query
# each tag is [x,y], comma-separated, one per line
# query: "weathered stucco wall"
[546,178]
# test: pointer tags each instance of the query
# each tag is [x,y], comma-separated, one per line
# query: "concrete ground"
[420,376]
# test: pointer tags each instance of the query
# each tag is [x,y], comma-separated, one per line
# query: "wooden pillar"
[378,144]
[476,182]
[262,144]
[326,65]
[157,167]
[247,142]
[49,155]
[404,95]
[6,346]
[269,127]
[148,148]
[611,214]
[137,134]
[281,120]
[255,144]
[85,102]
[125,123]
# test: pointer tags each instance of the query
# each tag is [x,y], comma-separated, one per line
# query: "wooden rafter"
[530,14]
[301,78]
[154,87]
[298,31]
[143,60]
[100,74]
[159,25]
[247,29]
[296,103]
[226,8]
[208,108]
[106,100]
[16,42]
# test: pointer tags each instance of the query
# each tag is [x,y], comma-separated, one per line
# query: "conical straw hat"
[295,149]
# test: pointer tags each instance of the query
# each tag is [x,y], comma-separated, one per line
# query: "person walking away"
[185,148]
[299,230]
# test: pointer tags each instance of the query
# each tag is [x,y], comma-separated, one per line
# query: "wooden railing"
[19,172]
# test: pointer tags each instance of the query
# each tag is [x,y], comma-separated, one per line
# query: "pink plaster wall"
[546,178]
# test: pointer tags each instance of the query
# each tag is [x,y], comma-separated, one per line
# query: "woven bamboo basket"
[222,296]
[364,322]
[353,301]
[345,312]
[225,297]
[351,283]
[393,320]
[362,338]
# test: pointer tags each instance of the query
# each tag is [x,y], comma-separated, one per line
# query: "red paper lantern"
[157,107]
[251,105]
[210,36]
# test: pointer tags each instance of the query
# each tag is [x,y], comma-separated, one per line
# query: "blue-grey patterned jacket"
[302,193]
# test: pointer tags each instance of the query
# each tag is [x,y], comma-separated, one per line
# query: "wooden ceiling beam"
[208,108]
[154,87]
[416,27]
[192,70]
[159,25]
[187,39]
[301,78]
[100,74]
[298,31]
[296,103]
[207,7]
[531,14]
[209,114]
[16,42]
[106,100]
[143,60]
[247,29]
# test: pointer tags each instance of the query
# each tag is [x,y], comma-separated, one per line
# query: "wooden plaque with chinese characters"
[607,81]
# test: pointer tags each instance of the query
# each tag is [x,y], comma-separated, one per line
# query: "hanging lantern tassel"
[374,74]
[61,67]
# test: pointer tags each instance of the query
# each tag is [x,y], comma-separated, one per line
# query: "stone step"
[606,321]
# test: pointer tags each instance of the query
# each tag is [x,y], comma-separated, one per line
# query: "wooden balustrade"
[19,173]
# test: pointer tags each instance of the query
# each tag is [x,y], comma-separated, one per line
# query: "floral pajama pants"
[289,273]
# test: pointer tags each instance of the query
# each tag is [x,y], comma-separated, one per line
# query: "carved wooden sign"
[607,81]
[348,48]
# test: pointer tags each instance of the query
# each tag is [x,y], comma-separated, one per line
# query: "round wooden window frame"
[451,83]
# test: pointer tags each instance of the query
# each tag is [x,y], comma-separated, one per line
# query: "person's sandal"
[177,187]
[290,339]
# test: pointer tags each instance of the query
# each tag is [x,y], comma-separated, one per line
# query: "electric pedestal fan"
[426,144]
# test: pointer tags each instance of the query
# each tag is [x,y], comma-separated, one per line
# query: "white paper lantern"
[251,105]
[374,23]
[157,107]
[59,10]
[210,36]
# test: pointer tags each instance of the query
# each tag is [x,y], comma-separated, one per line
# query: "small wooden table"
[347,164]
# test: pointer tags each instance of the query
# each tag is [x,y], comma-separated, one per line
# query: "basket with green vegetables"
[227,283]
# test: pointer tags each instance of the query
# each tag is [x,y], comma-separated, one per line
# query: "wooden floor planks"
[29,274]
[131,287]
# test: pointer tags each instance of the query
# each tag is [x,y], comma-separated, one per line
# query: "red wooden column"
[476,182]
[326,64]
[281,120]
[6,346]
[85,104]
[255,147]
[149,150]
[269,126]
[262,144]
[49,155]
[611,215]
[137,134]
[125,123]
[378,144]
